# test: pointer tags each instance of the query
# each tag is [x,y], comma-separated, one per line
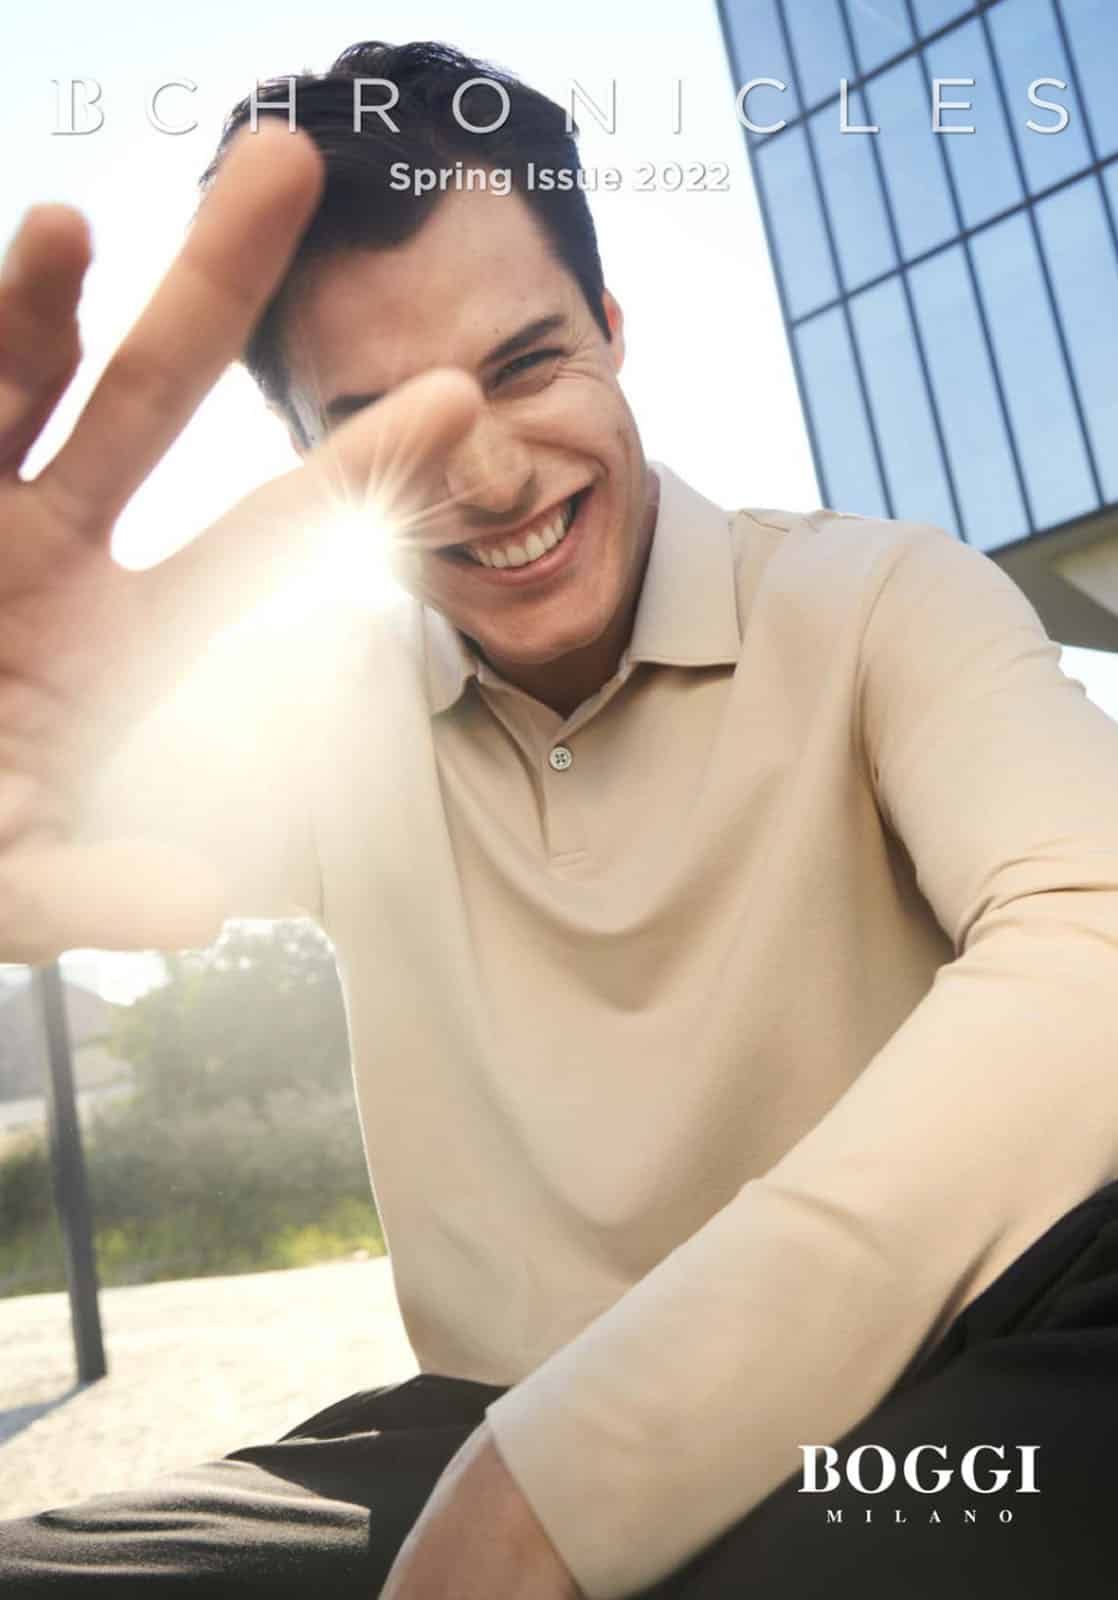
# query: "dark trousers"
[1034,1360]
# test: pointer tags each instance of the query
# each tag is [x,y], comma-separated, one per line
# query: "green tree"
[258,1012]
[240,1149]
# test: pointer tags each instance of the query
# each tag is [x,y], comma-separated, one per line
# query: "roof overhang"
[1070,574]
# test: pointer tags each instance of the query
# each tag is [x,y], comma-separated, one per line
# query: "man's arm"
[991,1111]
[220,770]
[86,647]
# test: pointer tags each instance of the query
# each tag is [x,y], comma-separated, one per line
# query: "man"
[727,907]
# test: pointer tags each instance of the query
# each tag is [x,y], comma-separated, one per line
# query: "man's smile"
[538,520]
[529,552]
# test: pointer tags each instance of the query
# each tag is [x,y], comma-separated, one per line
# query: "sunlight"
[354,568]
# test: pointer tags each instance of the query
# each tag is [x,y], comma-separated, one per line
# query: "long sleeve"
[989,1112]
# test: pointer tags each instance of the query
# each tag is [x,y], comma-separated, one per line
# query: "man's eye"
[535,361]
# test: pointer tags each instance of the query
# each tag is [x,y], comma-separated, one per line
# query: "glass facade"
[951,297]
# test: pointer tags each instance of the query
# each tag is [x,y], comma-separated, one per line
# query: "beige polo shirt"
[715,1045]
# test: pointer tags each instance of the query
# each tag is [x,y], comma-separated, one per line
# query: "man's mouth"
[527,545]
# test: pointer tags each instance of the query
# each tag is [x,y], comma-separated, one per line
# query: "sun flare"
[352,568]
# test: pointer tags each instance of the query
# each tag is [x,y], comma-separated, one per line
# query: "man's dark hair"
[358,208]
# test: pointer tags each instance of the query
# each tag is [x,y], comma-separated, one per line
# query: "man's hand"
[87,647]
[478,1538]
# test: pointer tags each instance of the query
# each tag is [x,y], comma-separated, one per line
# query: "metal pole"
[68,1173]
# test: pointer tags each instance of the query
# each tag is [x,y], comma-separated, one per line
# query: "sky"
[707,367]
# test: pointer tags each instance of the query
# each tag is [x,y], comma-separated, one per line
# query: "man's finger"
[40,284]
[280,531]
[197,322]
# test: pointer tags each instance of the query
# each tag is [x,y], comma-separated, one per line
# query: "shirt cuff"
[789,1315]
[637,1443]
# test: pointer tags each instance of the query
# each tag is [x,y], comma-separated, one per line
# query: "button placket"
[566,833]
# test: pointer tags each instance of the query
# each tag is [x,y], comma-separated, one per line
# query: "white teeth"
[537,543]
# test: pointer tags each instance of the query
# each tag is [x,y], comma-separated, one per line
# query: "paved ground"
[196,1368]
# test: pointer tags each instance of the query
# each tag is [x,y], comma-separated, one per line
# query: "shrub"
[229,1188]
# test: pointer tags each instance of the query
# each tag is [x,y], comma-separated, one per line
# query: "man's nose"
[489,474]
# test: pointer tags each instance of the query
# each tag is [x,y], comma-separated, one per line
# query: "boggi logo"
[872,1469]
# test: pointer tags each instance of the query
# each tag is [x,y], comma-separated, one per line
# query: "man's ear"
[616,322]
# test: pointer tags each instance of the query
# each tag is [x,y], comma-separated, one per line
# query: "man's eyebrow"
[344,405]
[531,331]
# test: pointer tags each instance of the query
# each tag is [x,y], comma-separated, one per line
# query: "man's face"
[548,502]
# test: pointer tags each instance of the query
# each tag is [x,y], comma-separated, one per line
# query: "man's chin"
[508,658]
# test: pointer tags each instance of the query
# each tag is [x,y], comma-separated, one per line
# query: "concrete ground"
[197,1368]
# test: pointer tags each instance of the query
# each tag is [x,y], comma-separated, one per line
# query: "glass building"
[951,297]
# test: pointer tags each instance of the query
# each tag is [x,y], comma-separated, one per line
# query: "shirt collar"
[686,616]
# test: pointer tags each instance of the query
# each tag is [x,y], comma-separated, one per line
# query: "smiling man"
[726,904]
[549,500]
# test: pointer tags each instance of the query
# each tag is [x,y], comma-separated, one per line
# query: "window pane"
[881,29]
[803,259]
[1084,274]
[819,45]
[851,481]
[757,51]
[1027,44]
[853,193]
[899,399]
[932,14]
[981,162]
[1094,43]
[1110,178]
[1032,368]
[898,102]
[993,510]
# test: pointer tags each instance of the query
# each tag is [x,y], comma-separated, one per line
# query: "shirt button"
[560,758]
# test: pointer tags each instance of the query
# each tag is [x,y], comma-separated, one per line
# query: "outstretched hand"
[87,647]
